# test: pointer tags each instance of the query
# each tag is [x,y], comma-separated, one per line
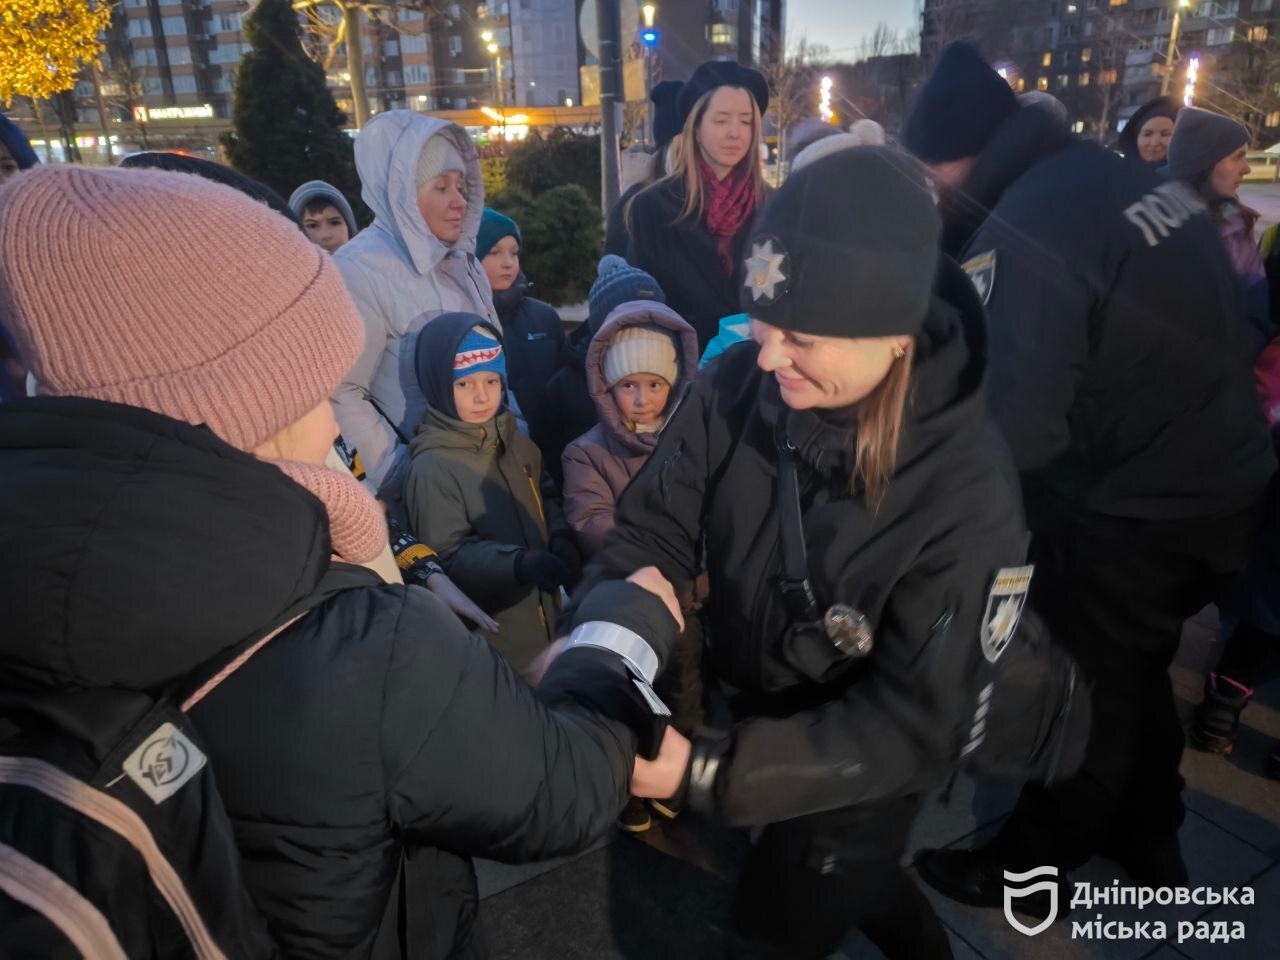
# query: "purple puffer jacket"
[600,463]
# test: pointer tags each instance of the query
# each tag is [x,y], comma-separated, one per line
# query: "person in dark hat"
[905,515]
[688,229]
[1119,381]
[1146,135]
[1208,152]
[666,126]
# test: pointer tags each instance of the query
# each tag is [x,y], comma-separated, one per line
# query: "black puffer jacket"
[570,411]
[828,732]
[534,341]
[681,255]
[364,754]
[1119,371]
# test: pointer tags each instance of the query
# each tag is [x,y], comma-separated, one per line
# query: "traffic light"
[649,36]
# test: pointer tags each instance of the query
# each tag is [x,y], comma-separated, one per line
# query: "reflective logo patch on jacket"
[1004,609]
[982,273]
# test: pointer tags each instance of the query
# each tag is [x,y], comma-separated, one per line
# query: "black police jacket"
[1119,368]
[826,732]
[364,754]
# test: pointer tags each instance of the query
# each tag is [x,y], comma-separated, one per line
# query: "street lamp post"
[496,52]
[1171,54]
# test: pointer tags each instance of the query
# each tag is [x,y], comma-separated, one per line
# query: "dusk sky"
[842,24]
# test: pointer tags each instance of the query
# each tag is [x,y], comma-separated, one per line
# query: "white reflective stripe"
[115,816]
[61,904]
[627,644]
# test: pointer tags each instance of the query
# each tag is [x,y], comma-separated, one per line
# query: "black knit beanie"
[1200,139]
[721,73]
[958,108]
[846,247]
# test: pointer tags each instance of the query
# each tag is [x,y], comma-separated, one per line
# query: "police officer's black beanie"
[721,73]
[846,247]
[958,108]
[666,115]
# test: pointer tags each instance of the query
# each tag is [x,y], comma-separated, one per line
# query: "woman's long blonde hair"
[880,416]
[686,153]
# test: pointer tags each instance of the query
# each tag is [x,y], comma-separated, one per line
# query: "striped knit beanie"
[617,282]
[479,352]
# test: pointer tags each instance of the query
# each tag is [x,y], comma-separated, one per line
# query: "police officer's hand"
[664,776]
[542,569]
[651,579]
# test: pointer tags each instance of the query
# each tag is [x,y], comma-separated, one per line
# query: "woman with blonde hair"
[688,229]
[853,507]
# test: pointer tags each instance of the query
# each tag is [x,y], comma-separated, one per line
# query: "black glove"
[565,546]
[542,569]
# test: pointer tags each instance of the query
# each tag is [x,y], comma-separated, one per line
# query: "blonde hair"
[687,153]
[880,416]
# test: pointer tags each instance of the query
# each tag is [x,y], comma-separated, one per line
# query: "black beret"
[721,73]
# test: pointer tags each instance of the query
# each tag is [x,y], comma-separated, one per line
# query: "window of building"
[1086,54]
[417,74]
[1107,77]
[411,43]
[455,45]
[1119,3]
[1064,81]
[1019,85]
[1088,28]
[393,78]
[723,35]
[725,6]
[144,56]
[482,11]
[1042,83]
[455,12]
[1046,60]
[228,23]
[391,48]
[1048,36]
[84,89]
[459,76]
[1220,36]
[1228,8]
[174,26]
[1258,33]
[184,84]
[1273,119]
[1083,80]
[1068,31]
[152,87]
[179,55]
[408,16]
[1091,4]
[139,28]
[1258,6]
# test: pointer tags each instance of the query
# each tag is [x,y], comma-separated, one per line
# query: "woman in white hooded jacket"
[421,177]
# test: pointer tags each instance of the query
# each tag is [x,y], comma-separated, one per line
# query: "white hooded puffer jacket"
[401,276]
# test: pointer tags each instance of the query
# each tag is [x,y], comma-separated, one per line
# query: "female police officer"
[855,509]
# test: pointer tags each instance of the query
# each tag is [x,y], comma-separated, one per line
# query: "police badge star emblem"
[766,271]
[982,273]
[1004,609]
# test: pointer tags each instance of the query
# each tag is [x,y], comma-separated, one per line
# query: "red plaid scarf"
[727,205]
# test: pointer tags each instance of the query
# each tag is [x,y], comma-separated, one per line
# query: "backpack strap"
[797,590]
[340,577]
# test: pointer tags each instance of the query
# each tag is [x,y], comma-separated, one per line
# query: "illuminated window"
[1083,80]
[723,35]
[1086,54]
[1107,77]
[1046,60]
[1119,3]
[1273,119]
[1258,33]
[1019,85]
[1042,83]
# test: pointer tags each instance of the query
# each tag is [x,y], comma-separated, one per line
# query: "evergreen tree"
[287,127]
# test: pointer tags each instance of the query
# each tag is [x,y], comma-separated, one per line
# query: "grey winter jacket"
[401,276]
[600,463]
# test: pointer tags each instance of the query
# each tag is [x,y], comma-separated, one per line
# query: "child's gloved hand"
[565,546]
[542,569]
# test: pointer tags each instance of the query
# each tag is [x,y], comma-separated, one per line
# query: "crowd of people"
[421,578]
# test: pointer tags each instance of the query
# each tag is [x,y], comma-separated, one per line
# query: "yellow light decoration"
[44,43]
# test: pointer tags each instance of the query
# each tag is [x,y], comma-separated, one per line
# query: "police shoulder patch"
[1004,609]
[982,273]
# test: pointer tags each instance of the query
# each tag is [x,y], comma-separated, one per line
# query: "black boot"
[1217,719]
[976,878]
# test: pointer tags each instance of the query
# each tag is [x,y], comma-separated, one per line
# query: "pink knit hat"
[173,293]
